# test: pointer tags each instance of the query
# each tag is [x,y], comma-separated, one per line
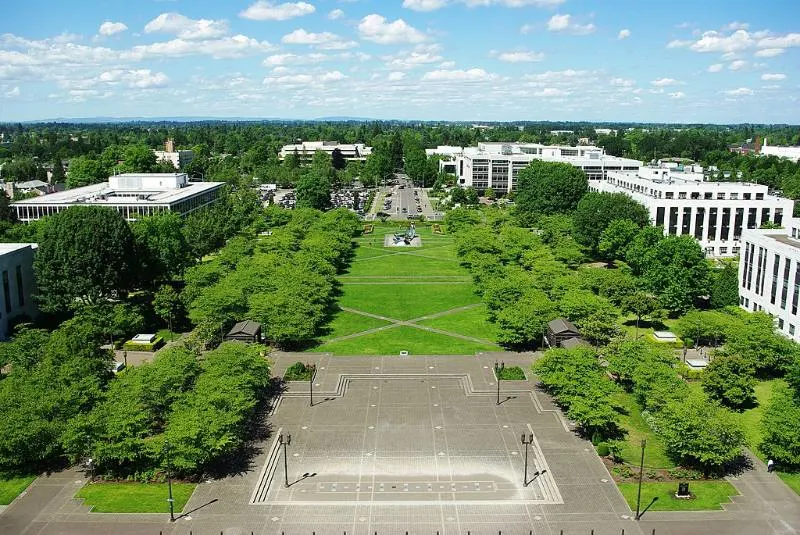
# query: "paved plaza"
[418,445]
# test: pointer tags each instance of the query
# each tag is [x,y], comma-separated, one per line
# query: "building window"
[791,329]
[669,195]
[708,195]
[734,196]
[673,221]
[7,291]
[796,289]
[746,196]
[20,289]
[682,195]
[751,217]
[695,195]
[780,323]
[785,290]
[776,262]
[778,219]
[737,223]
[699,219]
[759,196]
[736,250]
[720,196]
[712,224]
[723,250]
[726,224]
[660,216]
[687,221]
[764,215]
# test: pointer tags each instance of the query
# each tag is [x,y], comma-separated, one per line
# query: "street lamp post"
[526,441]
[313,368]
[498,369]
[641,472]
[170,500]
[285,440]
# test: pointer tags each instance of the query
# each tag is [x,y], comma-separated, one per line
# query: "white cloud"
[716,42]
[396,76]
[376,28]
[336,14]
[421,55]
[145,78]
[737,65]
[716,67]
[664,82]
[236,46]
[424,5]
[110,28]
[13,92]
[624,34]
[323,40]
[297,59]
[263,10]
[737,26]
[562,23]
[186,28]
[520,56]
[470,75]
[773,77]
[622,82]
[550,92]
[305,79]
[780,41]
[770,52]
[677,95]
[526,29]
[557,76]
[742,91]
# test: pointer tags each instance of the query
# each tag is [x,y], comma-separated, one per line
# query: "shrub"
[298,372]
[512,373]
[603,450]
[684,473]
[136,346]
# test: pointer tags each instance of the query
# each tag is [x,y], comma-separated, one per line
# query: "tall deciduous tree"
[548,188]
[595,212]
[615,239]
[676,270]
[780,428]
[86,255]
[162,247]
[84,171]
[139,159]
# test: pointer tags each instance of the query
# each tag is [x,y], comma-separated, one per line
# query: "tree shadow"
[187,513]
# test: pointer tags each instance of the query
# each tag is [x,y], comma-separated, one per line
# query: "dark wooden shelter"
[245,331]
[560,330]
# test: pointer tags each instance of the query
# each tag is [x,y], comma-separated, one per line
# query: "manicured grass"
[344,323]
[655,455]
[708,495]
[471,322]
[406,301]
[11,487]
[406,264]
[751,418]
[793,480]
[415,341]
[512,373]
[134,497]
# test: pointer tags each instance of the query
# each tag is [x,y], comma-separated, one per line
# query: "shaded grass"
[134,497]
[472,322]
[406,301]
[708,495]
[415,341]
[750,419]
[11,487]
[655,454]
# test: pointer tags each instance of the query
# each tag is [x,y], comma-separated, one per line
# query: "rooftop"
[6,248]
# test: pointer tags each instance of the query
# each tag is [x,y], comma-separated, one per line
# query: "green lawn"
[751,418]
[10,487]
[134,497]
[344,323]
[512,373]
[708,495]
[415,341]
[404,264]
[655,455]
[471,322]
[793,480]
[406,301]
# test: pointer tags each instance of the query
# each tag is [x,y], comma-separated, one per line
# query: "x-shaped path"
[410,323]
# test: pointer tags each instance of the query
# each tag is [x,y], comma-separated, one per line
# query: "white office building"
[497,165]
[134,195]
[769,275]
[715,213]
[16,270]
[178,158]
[306,149]
[790,153]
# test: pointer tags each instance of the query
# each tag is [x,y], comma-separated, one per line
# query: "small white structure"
[697,364]
[790,153]
[16,275]
[769,275]
[665,336]
[144,339]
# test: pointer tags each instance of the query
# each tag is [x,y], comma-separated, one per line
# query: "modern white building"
[134,195]
[715,213]
[16,270]
[790,153]
[306,149]
[178,158]
[497,165]
[769,275]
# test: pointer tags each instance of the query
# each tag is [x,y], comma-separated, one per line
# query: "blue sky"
[722,61]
